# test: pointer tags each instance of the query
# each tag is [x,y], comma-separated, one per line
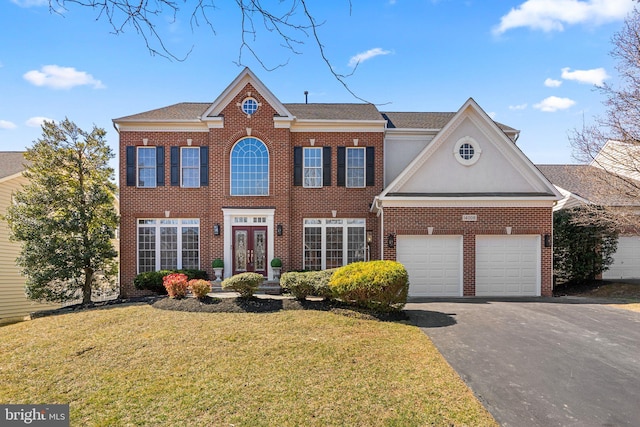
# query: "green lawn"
[136,365]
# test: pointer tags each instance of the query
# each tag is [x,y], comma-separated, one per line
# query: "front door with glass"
[250,250]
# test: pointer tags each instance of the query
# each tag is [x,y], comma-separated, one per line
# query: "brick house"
[248,178]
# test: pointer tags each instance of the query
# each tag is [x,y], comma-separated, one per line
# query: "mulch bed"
[269,305]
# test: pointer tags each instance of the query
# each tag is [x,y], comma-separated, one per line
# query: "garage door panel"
[507,265]
[433,263]
[626,260]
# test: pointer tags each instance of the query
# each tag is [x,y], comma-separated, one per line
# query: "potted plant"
[218,266]
[276,266]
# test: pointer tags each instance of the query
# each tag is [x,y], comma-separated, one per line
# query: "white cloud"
[363,56]
[553,15]
[553,103]
[31,3]
[596,76]
[517,107]
[552,83]
[57,77]
[492,114]
[36,122]
[5,124]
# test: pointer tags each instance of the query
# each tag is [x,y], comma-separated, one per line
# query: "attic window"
[249,106]
[467,151]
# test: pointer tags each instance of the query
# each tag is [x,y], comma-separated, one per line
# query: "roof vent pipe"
[306,96]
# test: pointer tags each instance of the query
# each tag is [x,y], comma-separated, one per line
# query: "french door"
[250,250]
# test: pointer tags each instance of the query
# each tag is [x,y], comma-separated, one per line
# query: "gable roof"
[183,111]
[334,111]
[593,184]
[426,120]
[11,163]
[539,188]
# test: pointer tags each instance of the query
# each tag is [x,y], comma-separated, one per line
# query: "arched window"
[249,168]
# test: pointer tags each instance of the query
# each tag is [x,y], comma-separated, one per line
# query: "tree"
[64,216]
[582,249]
[290,21]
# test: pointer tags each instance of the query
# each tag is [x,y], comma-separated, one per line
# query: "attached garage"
[434,264]
[626,260]
[508,265]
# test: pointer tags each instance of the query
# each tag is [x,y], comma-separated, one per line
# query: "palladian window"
[249,168]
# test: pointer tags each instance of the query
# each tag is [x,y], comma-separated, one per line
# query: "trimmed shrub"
[152,280]
[276,263]
[378,285]
[217,263]
[244,283]
[307,283]
[200,287]
[176,285]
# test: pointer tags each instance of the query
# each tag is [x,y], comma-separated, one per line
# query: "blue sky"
[531,64]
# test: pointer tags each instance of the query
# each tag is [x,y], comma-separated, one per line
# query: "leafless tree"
[291,21]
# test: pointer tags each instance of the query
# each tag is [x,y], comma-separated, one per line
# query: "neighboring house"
[247,178]
[587,184]
[14,304]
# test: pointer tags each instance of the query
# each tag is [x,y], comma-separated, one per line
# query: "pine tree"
[64,216]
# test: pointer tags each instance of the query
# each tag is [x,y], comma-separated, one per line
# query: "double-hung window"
[355,167]
[168,244]
[312,167]
[190,167]
[333,242]
[146,167]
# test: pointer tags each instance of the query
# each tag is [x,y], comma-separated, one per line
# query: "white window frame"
[183,167]
[139,168]
[345,223]
[467,140]
[305,183]
[158,223]
[364,166]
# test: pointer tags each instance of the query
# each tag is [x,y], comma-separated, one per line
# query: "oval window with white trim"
[249,106]
[467,151]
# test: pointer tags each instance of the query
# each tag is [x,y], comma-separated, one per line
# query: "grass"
[135,365]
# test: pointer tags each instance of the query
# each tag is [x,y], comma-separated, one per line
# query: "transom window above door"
[249,168]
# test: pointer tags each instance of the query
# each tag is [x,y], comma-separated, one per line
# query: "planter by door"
[250,250]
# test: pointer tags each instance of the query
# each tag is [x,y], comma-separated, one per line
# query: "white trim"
[10,177]
[364,166]
[231,168]
[475,156]
[146,126]
[345,237]
[197,167]
[158,242]
[304,150]
[480,202]
[155,166]
[229,215]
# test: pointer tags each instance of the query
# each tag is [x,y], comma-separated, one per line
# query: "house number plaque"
[469,217]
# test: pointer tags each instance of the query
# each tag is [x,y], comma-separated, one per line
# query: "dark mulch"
[269,305]
[629,289]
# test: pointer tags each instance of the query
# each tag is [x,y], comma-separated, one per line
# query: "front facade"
[248,178]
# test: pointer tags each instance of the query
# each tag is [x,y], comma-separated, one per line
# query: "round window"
[249,106]
[467,151]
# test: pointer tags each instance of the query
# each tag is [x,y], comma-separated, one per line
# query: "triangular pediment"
[246,77]
[471,157]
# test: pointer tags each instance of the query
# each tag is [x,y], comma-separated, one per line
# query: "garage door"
[508,265]
[626,260]
[434,264]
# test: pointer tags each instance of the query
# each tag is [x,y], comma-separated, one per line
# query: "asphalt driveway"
[542,362]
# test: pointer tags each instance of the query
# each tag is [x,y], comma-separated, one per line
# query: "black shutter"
[341,166]
[131,166]
[297,166]
[175,166]
[371,167]
[160,166]
[326,166]
[204,166]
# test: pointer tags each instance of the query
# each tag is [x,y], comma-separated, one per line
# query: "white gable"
[239,83]
[619,158]
[501,169]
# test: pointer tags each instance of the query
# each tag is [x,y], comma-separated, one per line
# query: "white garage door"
[626,260]
[434,264]
[508,265]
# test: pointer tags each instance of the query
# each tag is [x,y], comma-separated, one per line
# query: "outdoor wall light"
[279,229]
[547,240]
[216,229]
[369,237]
[391,241]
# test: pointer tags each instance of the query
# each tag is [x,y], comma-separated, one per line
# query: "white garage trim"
[508,265]
[626,260]
[434,264]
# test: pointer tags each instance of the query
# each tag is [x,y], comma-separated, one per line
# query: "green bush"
[378,285]
[307,283]
[244,283]
[152,280]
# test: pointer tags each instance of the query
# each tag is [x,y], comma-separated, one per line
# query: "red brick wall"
[448,221]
